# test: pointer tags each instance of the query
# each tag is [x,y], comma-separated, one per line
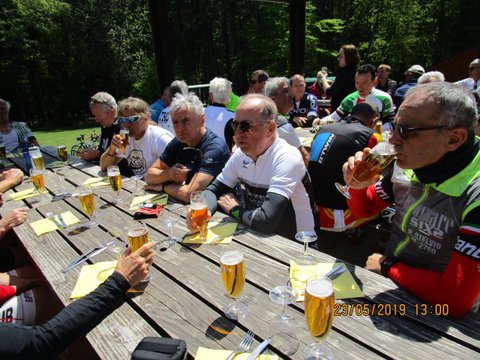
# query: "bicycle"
[84,145]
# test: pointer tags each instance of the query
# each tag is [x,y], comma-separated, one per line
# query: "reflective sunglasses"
[404,130]
[244,126]
[129,119]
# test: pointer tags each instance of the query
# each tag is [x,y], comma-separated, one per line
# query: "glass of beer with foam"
[124,135]
[199,212]
[232,269]
[38,180]
[372,165]
[319,313]
[37,158]
[115,179]
[87,200]
[137,237]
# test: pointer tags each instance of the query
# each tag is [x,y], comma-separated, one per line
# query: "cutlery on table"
[243,346]
[52,217]
[258,350]
[336,272]
[87,255]
[64,224]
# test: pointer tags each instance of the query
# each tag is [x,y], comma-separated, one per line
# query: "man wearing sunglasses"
[273,179]
[146,142]
[434,245]
[473,81]
[257,81]
[194,158]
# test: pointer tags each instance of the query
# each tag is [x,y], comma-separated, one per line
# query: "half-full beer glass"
[319,313]
[379,157]
[115,179]
[199,212]
[232,269]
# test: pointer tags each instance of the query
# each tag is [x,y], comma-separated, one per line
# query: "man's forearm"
[108,158]
[155,176]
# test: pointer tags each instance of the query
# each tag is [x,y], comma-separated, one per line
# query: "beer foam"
[319,288]
[137,232]
[231,258]
[197,206]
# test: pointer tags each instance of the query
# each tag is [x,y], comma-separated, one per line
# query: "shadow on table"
[467,325]
[220,328]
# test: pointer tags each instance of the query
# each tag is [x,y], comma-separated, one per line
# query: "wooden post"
[297,36]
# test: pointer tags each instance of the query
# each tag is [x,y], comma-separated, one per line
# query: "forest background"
[55,54]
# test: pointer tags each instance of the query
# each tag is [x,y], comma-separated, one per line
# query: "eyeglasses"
[129,119]
[253,82]
[404,130]
[244,126]
[473,68]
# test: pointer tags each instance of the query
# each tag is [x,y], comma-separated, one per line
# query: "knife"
[84,257]
[63,196]
[64,224]
[258,350]
[336,272]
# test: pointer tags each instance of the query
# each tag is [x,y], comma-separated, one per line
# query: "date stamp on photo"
[390,309]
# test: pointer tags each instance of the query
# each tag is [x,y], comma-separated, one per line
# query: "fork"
[51,217]
[243,346]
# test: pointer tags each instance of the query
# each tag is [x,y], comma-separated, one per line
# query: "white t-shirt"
[165,120]
[216,118]
[468,83]
[287,133]
[279,170]
[142,153]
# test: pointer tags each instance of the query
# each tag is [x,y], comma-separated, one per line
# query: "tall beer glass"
[199,212]
[379,157]
[62,153]
[319,313]
[38,181]
[232,269]
[115,180]
[87,200]
[137,237]
[124,133]
[37,159]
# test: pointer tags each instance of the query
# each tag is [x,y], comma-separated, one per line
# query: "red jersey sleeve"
[6,292]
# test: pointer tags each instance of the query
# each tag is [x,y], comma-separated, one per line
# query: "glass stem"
[305,248]
[284,308]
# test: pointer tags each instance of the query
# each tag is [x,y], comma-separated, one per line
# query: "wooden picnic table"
[185,298]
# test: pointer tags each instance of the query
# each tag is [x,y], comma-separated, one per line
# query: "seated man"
[278,90]
[304,105]
[383,80]
[146,142]
[165,119]
[473,81]
[104,109]
[332,145]
[217,117]
[194,158]
[81,316]
[433,249]
[275,184]
[364,82]
[157,107]
[411,75]
[16,136]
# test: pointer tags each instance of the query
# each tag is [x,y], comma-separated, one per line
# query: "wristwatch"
[386,264]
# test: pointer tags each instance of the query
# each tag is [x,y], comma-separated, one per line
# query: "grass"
[63,137]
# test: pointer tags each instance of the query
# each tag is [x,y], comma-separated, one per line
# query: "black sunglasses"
[473,68]
[404,130]
[245,126]
[253,82]
[129,119]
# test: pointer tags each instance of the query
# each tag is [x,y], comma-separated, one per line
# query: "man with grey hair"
[434,245]
[103,107]
[194,158]
[278,90]
[275,184]
[431,76]
[217,117]
[16,136]
[165,120]
[146,142]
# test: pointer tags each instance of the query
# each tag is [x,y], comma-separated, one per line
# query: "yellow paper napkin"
[91,276]
[345,285]
[212,354]
[55,165]
[160,199]
[305,141]
[218,233]
[46,225]
[24,194]
[96,182]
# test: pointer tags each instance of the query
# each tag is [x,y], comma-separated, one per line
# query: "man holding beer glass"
[271,172]
[434,245]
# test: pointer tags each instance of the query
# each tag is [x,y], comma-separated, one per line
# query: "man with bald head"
[274,181]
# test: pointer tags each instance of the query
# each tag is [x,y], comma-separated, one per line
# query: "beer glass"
[87,200]
[379,157]
[137,237]
[306,237]
[232,269]
[115,179]
[62,153]
[37,159]
[38,181]
[124,135]
[319,313]
[199,212]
